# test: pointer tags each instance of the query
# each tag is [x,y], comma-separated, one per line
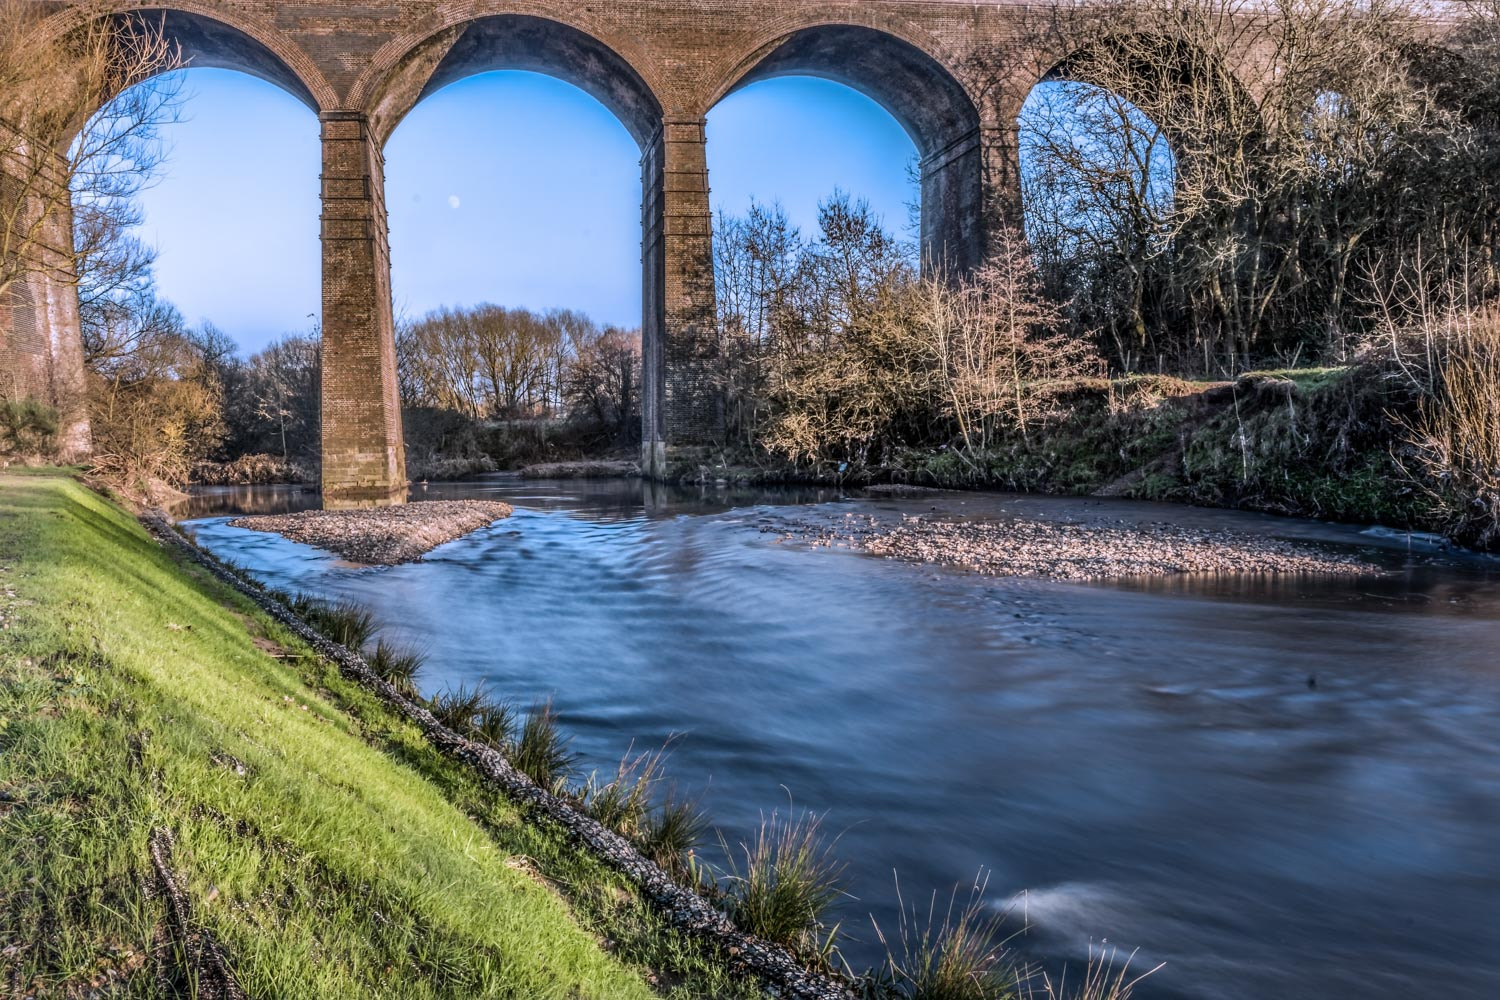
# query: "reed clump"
[1456,434]
[955,952]
[397,665]
[783,885]
[542,753]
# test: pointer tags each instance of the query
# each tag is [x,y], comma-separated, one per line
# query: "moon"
[453,201]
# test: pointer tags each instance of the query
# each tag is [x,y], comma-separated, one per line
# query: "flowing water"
[1278,789]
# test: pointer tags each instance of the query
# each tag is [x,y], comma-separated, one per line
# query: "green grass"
[349,859]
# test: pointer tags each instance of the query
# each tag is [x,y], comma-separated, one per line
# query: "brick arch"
[215,35]
[1171,62]
[1448,72]
[461,39]
[902,68]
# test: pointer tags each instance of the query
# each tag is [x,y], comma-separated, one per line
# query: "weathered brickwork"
[41,352]
[951,71]
[363,457]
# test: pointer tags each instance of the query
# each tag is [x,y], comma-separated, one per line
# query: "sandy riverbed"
[382,535]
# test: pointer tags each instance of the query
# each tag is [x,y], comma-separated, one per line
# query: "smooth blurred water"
[1142,764]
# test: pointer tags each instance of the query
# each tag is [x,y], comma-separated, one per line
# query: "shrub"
[1456,435]
[252,470]
[28,428]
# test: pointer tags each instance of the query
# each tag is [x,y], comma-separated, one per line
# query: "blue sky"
[512,188]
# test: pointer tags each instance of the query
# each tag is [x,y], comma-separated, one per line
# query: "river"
[1283,789]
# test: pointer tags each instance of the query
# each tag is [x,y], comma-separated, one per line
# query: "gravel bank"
[588,469]
[382,535]
[1064,551]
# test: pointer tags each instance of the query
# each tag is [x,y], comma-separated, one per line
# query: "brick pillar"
[679,403]
[364,458]
[57,306]
[969,187]
[41,344]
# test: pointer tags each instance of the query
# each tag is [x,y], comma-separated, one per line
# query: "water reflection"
[1279,787]
[603,497]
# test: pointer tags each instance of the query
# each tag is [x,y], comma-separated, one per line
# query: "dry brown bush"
[1455,436]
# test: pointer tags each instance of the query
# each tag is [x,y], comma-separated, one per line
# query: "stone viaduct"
[952,72]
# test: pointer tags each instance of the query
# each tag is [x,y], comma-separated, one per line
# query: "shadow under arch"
[923,96]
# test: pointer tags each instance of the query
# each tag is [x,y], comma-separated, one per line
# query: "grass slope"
[321,842]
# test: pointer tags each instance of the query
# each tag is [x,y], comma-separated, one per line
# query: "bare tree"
[1192,217]
[79,120]
[1001,347]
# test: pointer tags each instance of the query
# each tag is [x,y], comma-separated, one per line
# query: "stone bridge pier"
[660,66]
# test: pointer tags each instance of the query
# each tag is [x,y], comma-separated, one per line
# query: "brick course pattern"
[953,73]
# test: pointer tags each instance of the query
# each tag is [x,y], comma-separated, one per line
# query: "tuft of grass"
[672,833]
[474,715]
[458,708]
[495,724]
[624,802]
[397,665]
[542,752]
[1456,435]
[957,953]
[1105,977]
[344,622]
[783,885]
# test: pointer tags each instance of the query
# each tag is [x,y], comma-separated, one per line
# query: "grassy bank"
[319,840]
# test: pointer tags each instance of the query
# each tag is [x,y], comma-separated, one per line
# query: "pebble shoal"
[382,536]
[1064,551]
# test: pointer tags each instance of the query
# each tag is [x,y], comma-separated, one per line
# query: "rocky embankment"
[382,535]
[1059,550]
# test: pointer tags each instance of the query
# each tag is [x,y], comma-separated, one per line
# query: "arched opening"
[76,158]
[1133,197]
[518,259]
[932,107]
[233,216]
[1098,180]
[796,140]
[513,256]
[208,43]
[194,207]
[805,173]
[219,280]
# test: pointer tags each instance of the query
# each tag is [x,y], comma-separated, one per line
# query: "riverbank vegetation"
[1281,303]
